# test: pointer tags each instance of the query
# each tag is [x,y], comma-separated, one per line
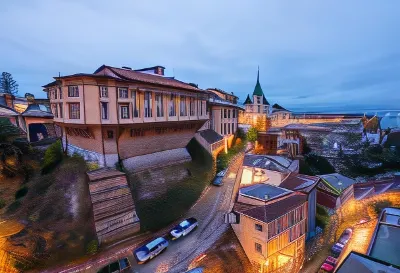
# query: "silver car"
[183,228]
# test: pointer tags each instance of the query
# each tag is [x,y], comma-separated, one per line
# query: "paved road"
[209,210]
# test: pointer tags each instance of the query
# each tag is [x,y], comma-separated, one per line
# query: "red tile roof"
[273,210]
[132,75]
[300,182]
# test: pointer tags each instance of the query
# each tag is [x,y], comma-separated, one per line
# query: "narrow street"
[209,210]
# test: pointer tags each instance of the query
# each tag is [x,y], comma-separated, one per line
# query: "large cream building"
[123,114]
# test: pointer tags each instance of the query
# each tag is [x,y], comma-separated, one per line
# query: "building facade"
[257,109]
[119,114]
[271,227]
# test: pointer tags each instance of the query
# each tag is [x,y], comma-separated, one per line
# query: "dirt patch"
[227,255]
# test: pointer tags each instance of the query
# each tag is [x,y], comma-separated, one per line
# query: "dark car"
[183,228]
[121,265]
[218,178]
[345,237]
[337,250]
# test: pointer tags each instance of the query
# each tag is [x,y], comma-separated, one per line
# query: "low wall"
[157,160]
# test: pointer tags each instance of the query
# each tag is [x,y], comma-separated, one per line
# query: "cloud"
[311,53]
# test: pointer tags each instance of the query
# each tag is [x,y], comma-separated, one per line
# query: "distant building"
[31,115]
[138,116]
[224,112]
[257,109]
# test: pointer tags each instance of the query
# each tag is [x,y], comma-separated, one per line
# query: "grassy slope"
[57,214]
[173,189]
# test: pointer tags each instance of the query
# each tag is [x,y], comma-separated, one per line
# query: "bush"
[52,157]
[252,134]
[27,171]
[91,166]
[21,192]
[45,182]
[2,203]
[14,206]
[380,205]
[322,211]
[92,247]
[23,145]
[319,164]
[321,220]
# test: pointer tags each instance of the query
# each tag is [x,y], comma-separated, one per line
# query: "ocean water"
[390,118]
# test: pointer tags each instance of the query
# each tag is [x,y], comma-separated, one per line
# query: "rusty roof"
[132,75]
[271,210]
[300,182]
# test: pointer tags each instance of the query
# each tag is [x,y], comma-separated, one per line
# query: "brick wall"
[134,146]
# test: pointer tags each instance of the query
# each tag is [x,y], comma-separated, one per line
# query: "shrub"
[23,145]
[252,134]
[92,247]
[2,203]
[27,171]
[380,205]
[91,166]
[319,163]
[21,192]
[45,182]
[322,211]
[321,220]
[52,157]
[14,206]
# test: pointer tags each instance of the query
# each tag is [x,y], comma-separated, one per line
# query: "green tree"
[8,84]
[8,132]
[252,134]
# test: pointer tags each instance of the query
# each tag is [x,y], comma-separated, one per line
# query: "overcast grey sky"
[312,54]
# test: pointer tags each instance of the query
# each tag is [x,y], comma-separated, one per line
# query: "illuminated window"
[147,105]
[136,104]
[172,105]
[182,107]
[159,105]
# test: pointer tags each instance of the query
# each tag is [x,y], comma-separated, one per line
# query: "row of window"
[283,239]
[226,128]
[287,220]
[124,112]
[227,113]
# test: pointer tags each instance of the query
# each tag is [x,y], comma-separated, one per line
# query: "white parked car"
[183,228]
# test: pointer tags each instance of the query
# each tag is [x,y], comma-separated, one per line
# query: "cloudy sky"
[313,55]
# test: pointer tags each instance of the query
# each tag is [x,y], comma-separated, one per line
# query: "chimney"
[159,70]
[9,100]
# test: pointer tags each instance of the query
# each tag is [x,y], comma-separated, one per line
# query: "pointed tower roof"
[265,102]
[248,100]
[257,89]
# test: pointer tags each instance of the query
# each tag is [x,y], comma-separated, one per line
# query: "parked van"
[150,250]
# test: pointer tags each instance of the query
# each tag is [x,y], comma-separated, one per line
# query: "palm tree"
[8,132]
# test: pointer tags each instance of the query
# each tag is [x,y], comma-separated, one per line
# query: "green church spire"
[258,90]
